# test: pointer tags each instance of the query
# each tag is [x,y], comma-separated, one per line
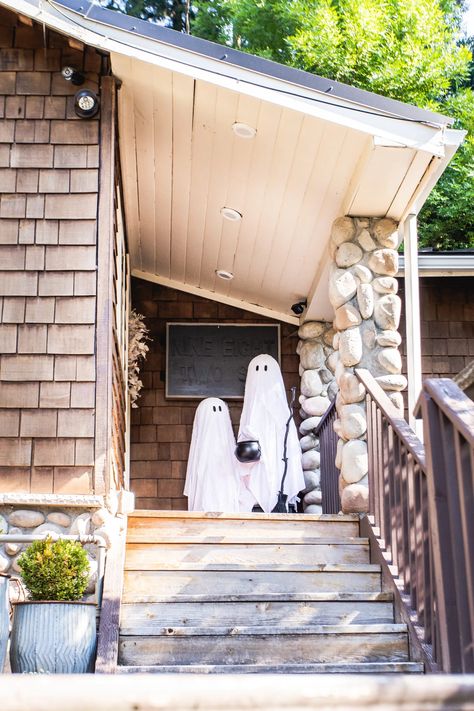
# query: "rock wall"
[318,388]
[67,515]
[363,292]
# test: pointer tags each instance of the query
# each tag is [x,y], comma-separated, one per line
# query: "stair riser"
[223,531]
[152,586]
[338,668]
[262,649]
[164,557]
[151,618]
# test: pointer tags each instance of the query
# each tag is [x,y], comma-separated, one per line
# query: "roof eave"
[228,57]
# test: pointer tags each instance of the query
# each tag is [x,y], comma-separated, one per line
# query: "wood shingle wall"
[49,162]
[447,325]
[161,429]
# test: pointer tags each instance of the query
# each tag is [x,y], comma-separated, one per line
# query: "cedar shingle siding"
[447,325]
[49,163]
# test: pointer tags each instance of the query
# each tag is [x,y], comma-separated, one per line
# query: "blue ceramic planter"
[53,638]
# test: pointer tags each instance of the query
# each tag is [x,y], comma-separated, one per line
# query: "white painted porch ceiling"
[182,163]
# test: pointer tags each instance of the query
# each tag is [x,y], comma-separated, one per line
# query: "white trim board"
[431,264]
[214,296]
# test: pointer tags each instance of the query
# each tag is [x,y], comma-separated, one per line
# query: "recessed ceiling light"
[223,274]
[230,214]
[243,130]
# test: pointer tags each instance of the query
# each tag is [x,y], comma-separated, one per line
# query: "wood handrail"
[399,424]
[449,441]
[442,390]
[324,417]
[421,498]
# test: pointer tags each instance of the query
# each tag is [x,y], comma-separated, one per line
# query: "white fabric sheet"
[264,417]
[212,480]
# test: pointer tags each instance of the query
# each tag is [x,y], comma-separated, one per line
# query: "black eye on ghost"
[265,367]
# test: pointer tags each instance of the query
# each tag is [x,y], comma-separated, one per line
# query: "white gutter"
[413,134]
[430,264]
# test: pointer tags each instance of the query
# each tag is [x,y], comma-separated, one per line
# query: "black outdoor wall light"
[86,103]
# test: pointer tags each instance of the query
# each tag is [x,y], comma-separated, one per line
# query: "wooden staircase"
[212,593]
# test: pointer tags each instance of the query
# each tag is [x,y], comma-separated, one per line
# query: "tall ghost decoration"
[212,480]
[264,417]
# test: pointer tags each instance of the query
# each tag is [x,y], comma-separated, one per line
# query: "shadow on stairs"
[255,593]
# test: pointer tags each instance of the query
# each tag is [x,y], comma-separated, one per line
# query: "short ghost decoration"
[212,481]
[264,418]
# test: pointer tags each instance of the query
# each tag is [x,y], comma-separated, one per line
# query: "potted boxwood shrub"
[54,632]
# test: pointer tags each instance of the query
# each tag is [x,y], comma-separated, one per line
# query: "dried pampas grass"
[137,350]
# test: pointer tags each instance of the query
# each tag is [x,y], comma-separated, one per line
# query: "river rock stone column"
[363,292]
[318,388]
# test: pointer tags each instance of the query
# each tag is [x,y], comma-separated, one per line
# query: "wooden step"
[138,619]
[252,528]
[318,668]
[267,645]
[163,556]
[154,586]
[165,514]
[282,596]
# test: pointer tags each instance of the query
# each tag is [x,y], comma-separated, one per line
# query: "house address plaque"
[211,360]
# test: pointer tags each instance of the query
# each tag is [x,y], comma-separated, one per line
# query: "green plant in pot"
[54,632]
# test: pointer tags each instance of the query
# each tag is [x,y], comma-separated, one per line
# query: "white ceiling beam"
[319,307]
[214,296]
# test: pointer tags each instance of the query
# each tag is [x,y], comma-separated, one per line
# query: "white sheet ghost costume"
[264,417]
[212,480]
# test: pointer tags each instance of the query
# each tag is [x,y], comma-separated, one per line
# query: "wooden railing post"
[398,504]
[451,492]
[422,503]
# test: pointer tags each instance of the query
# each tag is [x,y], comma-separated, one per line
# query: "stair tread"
[246,630]
[316,668]
[138,538]
[264,567]
[213,515]
[320,541]
[332,596]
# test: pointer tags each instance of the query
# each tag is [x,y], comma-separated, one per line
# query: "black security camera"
[72,75]
[299,307]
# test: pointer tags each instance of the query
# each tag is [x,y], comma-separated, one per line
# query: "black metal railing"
[331,501]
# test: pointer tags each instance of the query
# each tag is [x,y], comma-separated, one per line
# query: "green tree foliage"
[409,50]
[171,13]
[55,570]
